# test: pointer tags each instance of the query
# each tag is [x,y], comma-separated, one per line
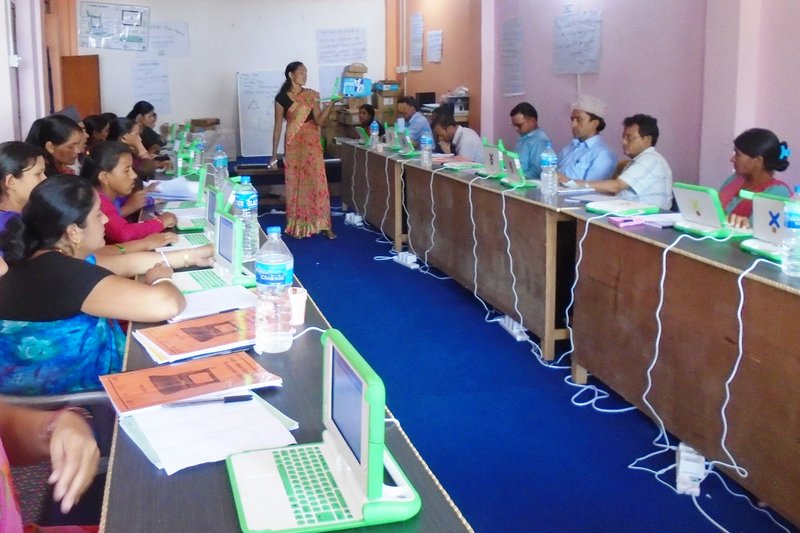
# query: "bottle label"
[792,220]
[246,201]
[220,162]
[279,274]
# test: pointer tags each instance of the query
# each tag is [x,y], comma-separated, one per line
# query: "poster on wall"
[435,46]
[151,83]
[417,30]
[113,26]
[339,46]
[169,39]
[512,71]
[578,37]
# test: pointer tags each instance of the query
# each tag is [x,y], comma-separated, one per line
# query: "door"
[80,83]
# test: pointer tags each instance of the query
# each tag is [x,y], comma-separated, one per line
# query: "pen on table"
[221,399]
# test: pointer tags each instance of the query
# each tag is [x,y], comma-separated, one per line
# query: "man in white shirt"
[647,177]
[464,142]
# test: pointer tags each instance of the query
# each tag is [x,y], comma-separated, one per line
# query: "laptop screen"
[768,219]
[225,240]
[492,159]
[211,208]
[346,393]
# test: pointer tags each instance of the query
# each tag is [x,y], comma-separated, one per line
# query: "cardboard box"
[354,103]
[204,122]
[347,116]
[387,85]
[357,68]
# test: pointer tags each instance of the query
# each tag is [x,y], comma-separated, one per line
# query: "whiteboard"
[256,100]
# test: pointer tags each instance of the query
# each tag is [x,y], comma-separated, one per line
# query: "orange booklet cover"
[206,335]
[139,389]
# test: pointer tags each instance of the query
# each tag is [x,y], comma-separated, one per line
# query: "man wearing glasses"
[532,138]
[647,177]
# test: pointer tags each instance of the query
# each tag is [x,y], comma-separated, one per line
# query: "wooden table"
[540,240]
[140,498]
[371,187]
[615,332]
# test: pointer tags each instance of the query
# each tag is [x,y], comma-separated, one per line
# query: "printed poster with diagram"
[113,26]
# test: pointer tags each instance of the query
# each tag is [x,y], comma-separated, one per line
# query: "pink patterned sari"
[308,205]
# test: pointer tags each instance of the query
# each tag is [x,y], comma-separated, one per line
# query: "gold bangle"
[185,259]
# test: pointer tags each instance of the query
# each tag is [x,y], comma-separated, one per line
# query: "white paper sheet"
[215,301]
[181,437]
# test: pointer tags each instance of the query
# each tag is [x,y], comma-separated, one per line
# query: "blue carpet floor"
[496,427]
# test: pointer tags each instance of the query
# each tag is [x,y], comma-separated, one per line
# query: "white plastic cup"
[297,299]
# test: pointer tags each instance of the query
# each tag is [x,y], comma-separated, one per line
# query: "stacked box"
[385,100]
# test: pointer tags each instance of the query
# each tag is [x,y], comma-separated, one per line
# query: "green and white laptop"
[193,218]
[228,269]
[337,483]
[191,207]
[702,212]
[407,145]
[515,177]
[768,227]
[494,161]
[363,136]
[619,207]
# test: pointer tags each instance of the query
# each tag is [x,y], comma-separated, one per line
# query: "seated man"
[647,177]
[408,108]
[587,157]
[463,142]
[532,139]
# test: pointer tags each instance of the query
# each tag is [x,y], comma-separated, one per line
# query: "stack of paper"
[219,333]
[216,301]
[186,433]
[174,189]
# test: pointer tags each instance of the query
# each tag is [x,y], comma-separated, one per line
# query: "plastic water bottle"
[199,150]
[220,162]
[791,242]
[374,129]
[274,276]
[548,160]
[245,207]
[426,155]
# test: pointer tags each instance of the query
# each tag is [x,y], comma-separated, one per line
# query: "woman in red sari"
[308,205]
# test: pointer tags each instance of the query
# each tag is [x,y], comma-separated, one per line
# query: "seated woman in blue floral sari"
[59,305]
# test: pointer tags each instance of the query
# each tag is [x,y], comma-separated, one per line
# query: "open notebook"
[702,213]
[339,482]
[768,227]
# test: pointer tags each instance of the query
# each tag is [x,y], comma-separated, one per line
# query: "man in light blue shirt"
[587,157]
[532,139]
[408,108]
[465,142]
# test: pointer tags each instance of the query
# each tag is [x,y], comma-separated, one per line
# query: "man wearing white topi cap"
[587,156]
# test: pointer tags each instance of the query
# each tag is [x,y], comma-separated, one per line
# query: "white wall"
[237,35]
[6,101]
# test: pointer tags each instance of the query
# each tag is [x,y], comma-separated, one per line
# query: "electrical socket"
[690,470]
[407,259]
[514,328]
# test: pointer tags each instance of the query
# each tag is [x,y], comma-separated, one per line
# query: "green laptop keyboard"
[208,279]
[313,493]
[197,239]
[196,223]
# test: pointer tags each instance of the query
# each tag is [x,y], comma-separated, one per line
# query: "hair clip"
[785,152]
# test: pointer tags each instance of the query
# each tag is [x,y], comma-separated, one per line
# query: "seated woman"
[28,436]
[757,154]
[144,114]
[62,140]
[97,128]
[59,303]
[21,169]
[366,114]
[109,168]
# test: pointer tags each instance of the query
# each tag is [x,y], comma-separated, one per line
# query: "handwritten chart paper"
[116,26]
[417,29]
[170,39]
[578,37]
[435,46]
[341,46]
[151,83]
[256,92]
[512,73]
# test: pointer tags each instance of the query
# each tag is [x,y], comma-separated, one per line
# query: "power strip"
[353,219]
[407,259]
[514,328]
[690,470]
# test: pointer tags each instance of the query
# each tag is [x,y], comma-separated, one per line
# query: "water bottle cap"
[272,230]
[244,179]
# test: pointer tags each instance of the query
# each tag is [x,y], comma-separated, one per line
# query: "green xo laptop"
[702,213]
[337,483]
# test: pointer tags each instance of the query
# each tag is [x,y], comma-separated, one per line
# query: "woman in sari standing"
[308,209]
